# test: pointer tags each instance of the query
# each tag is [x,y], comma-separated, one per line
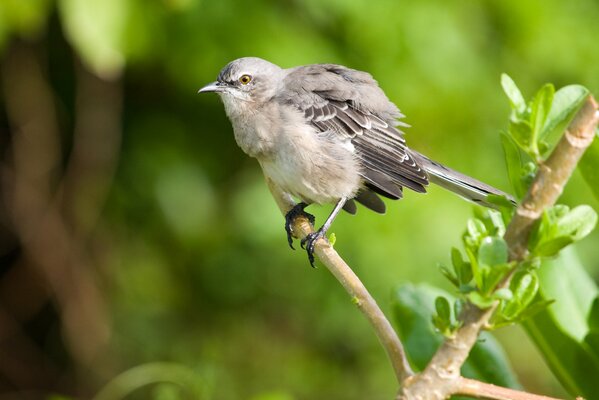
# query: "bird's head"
[247,79]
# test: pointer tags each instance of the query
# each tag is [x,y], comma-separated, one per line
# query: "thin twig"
[441,377]
[481,390]
[354,287]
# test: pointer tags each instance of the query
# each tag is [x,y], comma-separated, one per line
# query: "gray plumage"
[325,133]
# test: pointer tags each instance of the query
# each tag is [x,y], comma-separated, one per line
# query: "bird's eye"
[245,79]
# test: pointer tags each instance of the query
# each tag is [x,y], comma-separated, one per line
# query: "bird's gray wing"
[349,103]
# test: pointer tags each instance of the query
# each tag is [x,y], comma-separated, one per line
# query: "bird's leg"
[310,240]
[296,211]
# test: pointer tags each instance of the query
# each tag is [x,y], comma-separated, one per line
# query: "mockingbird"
[325,133]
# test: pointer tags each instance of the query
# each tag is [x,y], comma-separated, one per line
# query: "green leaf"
[525,286]
[513,160]
[443,308]
[449,275]
[566,103]
[589,166]
[503,294]
[552,247]
[413,306]
[491,276]
[476,229]
[558,227]
[462,269]
[541,105]
[560,331]
[442,318]
[480,300]
[513,93]
[522,133]
[492,251]
[578,223]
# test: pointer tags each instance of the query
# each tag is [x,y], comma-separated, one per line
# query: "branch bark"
[441,378]
[352,284]
[481,390]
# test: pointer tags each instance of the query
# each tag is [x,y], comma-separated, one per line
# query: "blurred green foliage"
[190,250]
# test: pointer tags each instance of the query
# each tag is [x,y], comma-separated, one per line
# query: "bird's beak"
[213,87]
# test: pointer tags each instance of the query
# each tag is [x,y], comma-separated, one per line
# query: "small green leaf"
[443,309]
[541,105]
[558,227]
[534,308]
[503,294]
[566,102]
[449,275]
[492,251]
[491,276]
[524,286]
[513,160]
[462,269]
[578,223]
[522,133]
[513,93]
[479,300]
[552,247]
[476,229]
[476,270]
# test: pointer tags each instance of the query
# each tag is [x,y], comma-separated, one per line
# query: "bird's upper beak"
[213,87]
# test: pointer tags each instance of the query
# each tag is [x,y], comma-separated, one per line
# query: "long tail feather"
[458,183]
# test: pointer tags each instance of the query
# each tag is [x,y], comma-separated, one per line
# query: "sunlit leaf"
[541,105]
[492,251]
[566,103]
[513,93]
[513,160]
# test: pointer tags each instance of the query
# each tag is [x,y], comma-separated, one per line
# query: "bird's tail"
[458,183]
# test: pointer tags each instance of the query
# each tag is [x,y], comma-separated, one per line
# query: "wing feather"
[350,104]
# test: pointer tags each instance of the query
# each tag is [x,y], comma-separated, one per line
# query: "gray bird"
[325,133]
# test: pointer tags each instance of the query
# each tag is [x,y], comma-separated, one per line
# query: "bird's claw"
[296,211]
[309,242]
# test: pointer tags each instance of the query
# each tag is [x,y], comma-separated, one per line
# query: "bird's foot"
[296,211]
[310,241]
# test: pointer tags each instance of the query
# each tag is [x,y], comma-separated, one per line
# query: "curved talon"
[296,211]
[309,242]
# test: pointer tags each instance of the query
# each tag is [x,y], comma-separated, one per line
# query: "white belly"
[313,167]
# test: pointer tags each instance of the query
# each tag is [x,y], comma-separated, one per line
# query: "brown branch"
[441,378]
[352,284]
[481,390]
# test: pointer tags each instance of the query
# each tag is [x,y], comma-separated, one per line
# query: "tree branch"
[481,390]
[441,378]
[352,284]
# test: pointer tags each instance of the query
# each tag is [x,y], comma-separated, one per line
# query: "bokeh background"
[134,231]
